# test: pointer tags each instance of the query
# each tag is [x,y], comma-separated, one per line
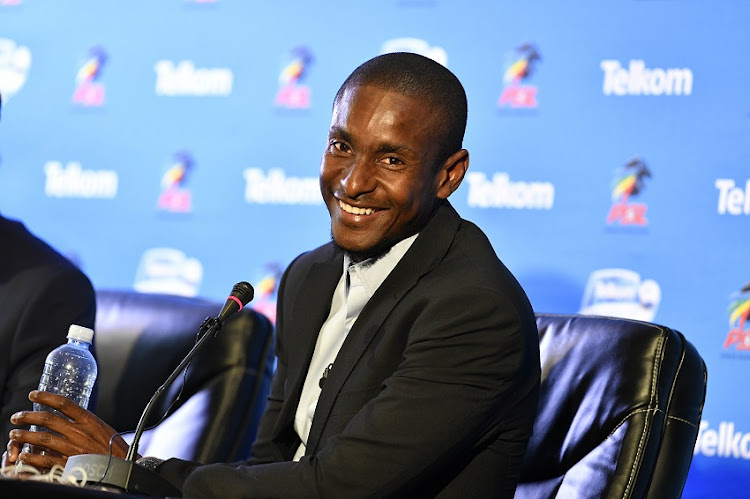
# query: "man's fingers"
[11,452]
[46,419]
[87,426]
[72,410]
[76,431]
[70,438]
[62,404]
[8,459]
[45,460]
[42,461]
[48,440]
[39,438]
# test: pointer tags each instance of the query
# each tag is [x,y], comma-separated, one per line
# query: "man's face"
[378,175]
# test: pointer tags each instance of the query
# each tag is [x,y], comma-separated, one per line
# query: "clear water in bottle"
[70,370]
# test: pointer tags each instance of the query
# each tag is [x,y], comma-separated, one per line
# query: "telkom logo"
[733,199]
[637,79]
[724,442]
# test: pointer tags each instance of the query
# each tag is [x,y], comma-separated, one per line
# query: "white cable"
[54,475]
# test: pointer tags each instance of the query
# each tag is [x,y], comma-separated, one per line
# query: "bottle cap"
[80,333]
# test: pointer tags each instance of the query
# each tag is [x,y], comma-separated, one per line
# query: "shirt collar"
[372,272]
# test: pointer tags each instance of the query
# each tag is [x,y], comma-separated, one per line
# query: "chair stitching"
[622,422]
[682,420]
[654,410]
[630,415]
[646,426]
[654,395]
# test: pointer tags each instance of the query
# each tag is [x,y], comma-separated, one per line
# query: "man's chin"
[362,254]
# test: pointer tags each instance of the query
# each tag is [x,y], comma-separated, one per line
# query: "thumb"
[11,453]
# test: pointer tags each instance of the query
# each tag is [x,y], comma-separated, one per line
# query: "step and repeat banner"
[174,146]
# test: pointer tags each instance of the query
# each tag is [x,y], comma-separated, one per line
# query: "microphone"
[242,293]
[118,472]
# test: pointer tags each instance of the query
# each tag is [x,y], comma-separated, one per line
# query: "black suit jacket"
[433,392]
[41,294]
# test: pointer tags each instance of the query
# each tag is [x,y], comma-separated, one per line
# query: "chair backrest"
[619,409]
[141,338]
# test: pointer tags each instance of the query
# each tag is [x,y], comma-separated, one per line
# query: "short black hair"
[417,76]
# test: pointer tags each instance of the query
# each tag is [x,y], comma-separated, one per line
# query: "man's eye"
[339,146]
[392,161]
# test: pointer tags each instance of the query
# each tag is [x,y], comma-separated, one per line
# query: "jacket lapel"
[427,251]
[311,307]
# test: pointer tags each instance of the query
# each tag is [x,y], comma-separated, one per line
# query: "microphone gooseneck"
[242,293]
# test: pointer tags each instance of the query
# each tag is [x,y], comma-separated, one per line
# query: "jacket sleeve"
[57,298]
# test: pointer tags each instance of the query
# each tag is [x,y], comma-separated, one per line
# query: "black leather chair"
[141,338]
[619,409]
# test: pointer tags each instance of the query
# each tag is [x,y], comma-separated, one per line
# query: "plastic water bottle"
[70,370]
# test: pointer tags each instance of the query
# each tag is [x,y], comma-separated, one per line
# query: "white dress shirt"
[358,283]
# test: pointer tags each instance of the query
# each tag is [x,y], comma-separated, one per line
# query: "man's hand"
[83,434]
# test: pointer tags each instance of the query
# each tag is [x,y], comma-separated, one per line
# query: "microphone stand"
[126,474]
[210,325]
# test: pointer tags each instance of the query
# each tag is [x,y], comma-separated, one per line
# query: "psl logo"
[89,91]
[521,67]
[292,93]
[266,290]
[739,312]
[629,181]
[174,197]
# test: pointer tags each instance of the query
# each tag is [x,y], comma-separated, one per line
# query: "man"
[408,361]
[41,294]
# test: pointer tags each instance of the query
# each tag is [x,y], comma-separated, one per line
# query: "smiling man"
[386,168]
[408,360]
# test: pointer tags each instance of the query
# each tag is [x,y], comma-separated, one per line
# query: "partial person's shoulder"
[27,251]
[473,244]
[473,262]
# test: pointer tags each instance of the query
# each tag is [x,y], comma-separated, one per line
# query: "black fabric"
[41,294]
[432,394]
[141,338]
[619,410]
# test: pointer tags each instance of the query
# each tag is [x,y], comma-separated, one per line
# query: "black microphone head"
[242,293]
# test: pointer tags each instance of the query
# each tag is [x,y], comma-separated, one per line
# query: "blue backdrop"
[174,146]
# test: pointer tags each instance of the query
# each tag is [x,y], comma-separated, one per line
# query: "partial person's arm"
[56,302]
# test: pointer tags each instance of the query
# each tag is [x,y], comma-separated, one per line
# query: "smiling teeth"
[354,210]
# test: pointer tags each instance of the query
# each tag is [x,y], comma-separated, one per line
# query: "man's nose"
[358,178]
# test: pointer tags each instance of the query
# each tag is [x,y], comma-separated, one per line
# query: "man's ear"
[452,173]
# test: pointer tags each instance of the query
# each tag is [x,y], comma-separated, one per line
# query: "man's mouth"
[355,210]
